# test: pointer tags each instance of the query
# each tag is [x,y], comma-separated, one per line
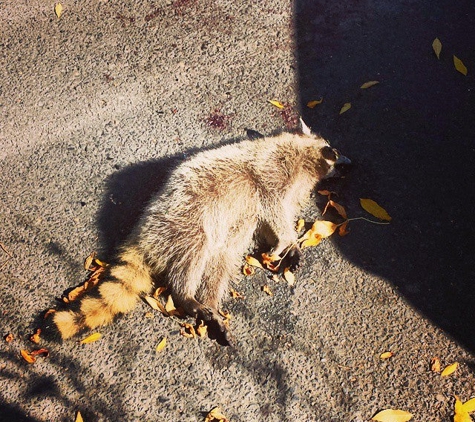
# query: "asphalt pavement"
[95,108]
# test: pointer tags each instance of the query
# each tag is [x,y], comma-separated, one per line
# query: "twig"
[10,256]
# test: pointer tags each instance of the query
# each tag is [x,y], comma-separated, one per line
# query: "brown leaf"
[340,209]
[35,337]
[155,304]
[9,338]
[267,290]
[248,270]
[49,312]
[202,329]
[40,352]
[268,261]
[27,356]
[187,330]
[159,291]
[236,295]
[313,103]
[324,192]
[88,261]
[215,415]
[435,364]
[342,230]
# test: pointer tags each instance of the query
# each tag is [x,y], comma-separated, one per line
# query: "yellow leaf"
[437,47]
[79,417]
[289,276]
[313,103]
[469,406]
[101,263]
[374,209]
[202,329]
[386,355]
[169,306]
[58,9]
[188,330]
[26,355]
[88,260]
[345,107]
[253,261]
[390,415]
[267,290]
[276,103]
[460,66]
[300,225]
[236,295]
[313,241]
[449,370]
[323,228]
[369,84]
[161,345]
[92,338]
[155,304]
[215,415]
[461,415]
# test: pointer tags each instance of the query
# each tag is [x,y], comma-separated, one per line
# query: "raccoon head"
[339,165]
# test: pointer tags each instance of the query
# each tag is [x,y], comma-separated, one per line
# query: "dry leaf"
[149,315]
[313,103]
[469,406]
[101,263]
[342,230]
[386,355]
[267,290]
[159,291]
[9,338]
[268,261]
[340,209]
[40,352]
[91,338]
[289,276]
[35,338]
[369,84]
[226,315]
[170,306]
[449,370]
[27,356]
[437,47]
[461,414]
[276,103]
[345,108]
[187,330]
[324,192]
[155,304]
[248,270]
[88,261]
[435,364]
[49,312]
[58,9]
[313,241]
[323,228]
[215,415]
[236,295]
[374,209]
[202,329]
[300,225]
[79,417]
[253,261]
[460,66]
[390,415]
[161,345]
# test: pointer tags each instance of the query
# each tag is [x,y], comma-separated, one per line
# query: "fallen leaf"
[324,192]
[340,209]
[391,415]
[159,291]
[40,352]
[300,225]
[58,9]
[161,345]
[149,315]
[79,417]
[215,415]
[49,312]
[313,103]
[155,304]
[9,338]
[461,414]
[202,329]
[276,103]
[248,270]
[374,209]
[88,261]
[435,365]
[437,47]
[313,241]
[187,330]
[460,66]
[386,355]
[345,108]
[289,276]
[101,263]
[369,84]
[253,261]
[170,306]
[469,406]
[449,370]
[267,290]
[27,356]
[323,228]
[236,295]
[35,337]
[268,261]
[91,338]
[226,315]
[342,230]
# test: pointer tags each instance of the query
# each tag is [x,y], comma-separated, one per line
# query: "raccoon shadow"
[410,137]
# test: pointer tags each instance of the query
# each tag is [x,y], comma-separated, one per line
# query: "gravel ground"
[95,104]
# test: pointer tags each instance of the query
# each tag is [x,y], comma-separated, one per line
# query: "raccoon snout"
[342,166]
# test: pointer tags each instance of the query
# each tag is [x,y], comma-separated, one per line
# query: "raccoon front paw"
[293,258]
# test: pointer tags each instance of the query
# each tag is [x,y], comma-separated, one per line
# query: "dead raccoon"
[195,232]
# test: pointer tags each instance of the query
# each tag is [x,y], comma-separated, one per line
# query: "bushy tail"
[117,294]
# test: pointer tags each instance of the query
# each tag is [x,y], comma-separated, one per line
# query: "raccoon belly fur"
[196,230]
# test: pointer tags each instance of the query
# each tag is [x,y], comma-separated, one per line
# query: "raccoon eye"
[328,153]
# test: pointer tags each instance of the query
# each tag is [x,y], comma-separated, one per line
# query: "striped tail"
[118,294]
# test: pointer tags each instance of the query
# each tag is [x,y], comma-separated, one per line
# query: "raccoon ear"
[304,128]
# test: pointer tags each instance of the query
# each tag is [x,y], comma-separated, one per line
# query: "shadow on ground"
[412,138]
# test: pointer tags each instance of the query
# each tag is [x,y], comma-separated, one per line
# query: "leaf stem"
[366,219]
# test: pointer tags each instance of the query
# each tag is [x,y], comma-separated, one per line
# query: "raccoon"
[196,230]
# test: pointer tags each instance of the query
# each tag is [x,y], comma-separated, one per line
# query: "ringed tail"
[118,294]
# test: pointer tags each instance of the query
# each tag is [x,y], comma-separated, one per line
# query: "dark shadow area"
[10,413]
[411,138]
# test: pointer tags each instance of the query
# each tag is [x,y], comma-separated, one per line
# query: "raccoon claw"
[293,258]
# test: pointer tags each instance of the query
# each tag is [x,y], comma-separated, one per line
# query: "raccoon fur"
[196,230]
